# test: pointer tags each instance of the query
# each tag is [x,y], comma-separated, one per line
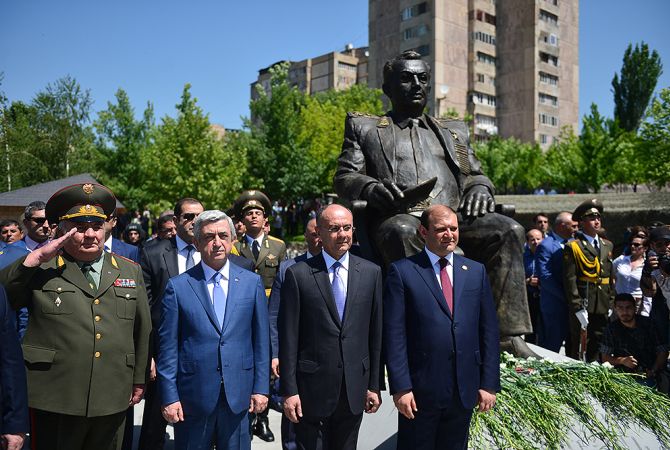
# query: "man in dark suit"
[440,338]
[405,161]
[13,394]
[116,246]
[214,358]
[587,269]
[549,268]
[160,262]
[313,249]
[330,338]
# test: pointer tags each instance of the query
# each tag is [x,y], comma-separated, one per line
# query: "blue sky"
[152,48]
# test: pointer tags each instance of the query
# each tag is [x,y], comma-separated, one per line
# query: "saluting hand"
[48,251]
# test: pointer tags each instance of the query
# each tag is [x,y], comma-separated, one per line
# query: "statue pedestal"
[378,431]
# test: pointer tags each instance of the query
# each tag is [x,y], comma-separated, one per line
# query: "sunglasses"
[39,220]
[189,216]
[636,244]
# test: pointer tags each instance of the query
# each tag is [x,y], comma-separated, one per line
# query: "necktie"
[447,288]
[596,245]
[255,249]
[219,298]
[189,257]
[86,269]
[339,290]
[107,249]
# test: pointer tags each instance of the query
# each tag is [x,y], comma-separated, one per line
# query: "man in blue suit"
[13,392]
[441,338]
[549,267]
[214,355]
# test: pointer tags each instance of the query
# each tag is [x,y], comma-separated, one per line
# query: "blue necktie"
[189,257]
[219,298]
[339,290]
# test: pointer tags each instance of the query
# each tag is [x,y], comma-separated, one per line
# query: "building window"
[549,39]
[543,139]
[546,119]
[423,50]
[549,17]
[481,77]
[413,11]
[480,98]
[547,99]
[486,58]
[415,32]
[549,59]
[553,2]
[482,16]
[483,37]
[548,78]
[346,67]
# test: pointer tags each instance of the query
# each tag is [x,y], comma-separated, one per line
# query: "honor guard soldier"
[252,208]
[587,265]
[86,346]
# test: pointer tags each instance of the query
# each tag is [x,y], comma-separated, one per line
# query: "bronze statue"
[404,161]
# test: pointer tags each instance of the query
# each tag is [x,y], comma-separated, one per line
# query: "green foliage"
[294,139]
[186,158]
[511,165]
[564,164]
[654,150]
[634,88]
[121,140]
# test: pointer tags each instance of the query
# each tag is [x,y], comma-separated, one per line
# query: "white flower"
[607,365]
[531,358]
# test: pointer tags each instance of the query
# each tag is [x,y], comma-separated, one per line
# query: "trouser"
[55,431]
[432,429]
[493,240]
[594,336]
[152,434]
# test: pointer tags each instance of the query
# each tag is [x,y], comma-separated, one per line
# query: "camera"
[663,260]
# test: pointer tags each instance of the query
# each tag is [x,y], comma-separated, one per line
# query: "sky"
[151,48]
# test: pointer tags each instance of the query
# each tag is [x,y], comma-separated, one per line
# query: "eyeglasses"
[636,244]
[336,229]
[189,216]
[39,220]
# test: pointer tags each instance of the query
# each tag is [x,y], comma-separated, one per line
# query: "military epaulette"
[360,114]
[121,257]
[272,238]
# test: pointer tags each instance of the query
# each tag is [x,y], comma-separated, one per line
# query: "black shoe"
[516,346]
[262,429]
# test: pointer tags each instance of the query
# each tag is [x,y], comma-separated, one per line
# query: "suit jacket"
[84,348]
[195,353]
[273,303]
[8,255]
[13,392]
[599,296]
[368,156]
[428,350]
[272,252]
[128,251]
[549,268]
[316,350]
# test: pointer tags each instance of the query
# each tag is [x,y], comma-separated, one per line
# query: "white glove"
[583,318]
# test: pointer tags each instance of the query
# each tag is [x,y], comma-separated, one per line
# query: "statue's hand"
[379,197]
[477,202]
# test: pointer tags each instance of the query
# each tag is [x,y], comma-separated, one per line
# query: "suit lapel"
[233,287]
[199,286]
[170,258]
[460,277]
[110,272]
[353,281]
[447,142]
[387,141]
[320,273]
[264,251]
[427,272]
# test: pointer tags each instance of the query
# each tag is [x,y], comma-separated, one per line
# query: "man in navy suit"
[330,338]
[549,268]
[116,246]
[13,392]
[214,355]
[313,249]
[441,338]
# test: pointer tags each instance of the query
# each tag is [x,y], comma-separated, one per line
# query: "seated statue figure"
[405,161]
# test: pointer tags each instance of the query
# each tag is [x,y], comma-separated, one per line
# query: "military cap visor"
[588,208]
[87,202]
[659,234]
[252,200]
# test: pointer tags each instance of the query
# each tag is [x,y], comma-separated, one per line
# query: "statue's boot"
[516,346]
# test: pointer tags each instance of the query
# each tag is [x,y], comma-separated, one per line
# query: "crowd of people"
[598,305]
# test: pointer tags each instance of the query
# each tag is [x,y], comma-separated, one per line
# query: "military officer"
[266,252]
[86,346]
[587,265]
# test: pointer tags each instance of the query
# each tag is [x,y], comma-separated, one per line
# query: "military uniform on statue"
[587,266]
[405,161]
[266,252]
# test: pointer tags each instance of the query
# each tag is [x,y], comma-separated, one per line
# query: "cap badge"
[88,188]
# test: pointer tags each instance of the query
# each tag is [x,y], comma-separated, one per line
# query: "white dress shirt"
[435,262]
[182,254]
[344,270]
[225,276]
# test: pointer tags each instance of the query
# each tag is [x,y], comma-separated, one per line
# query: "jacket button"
[97,318]
[96,301]
[98,336]
[97,354]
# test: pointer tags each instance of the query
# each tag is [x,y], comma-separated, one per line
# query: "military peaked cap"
[591,207]
[252,200]
[87,202]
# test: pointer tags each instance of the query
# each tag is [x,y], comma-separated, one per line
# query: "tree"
[511,165]
[186,158]
[564,164]
[121,140]
[634,88]
[654,152]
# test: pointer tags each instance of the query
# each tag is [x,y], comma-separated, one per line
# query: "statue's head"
[407,83]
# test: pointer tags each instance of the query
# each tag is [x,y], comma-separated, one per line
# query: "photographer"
[655,280]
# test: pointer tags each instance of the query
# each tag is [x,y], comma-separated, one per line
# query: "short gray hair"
[211,216]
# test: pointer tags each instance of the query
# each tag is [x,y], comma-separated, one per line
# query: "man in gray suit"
[403,162]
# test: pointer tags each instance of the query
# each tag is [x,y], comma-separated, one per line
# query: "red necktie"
[447,288]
